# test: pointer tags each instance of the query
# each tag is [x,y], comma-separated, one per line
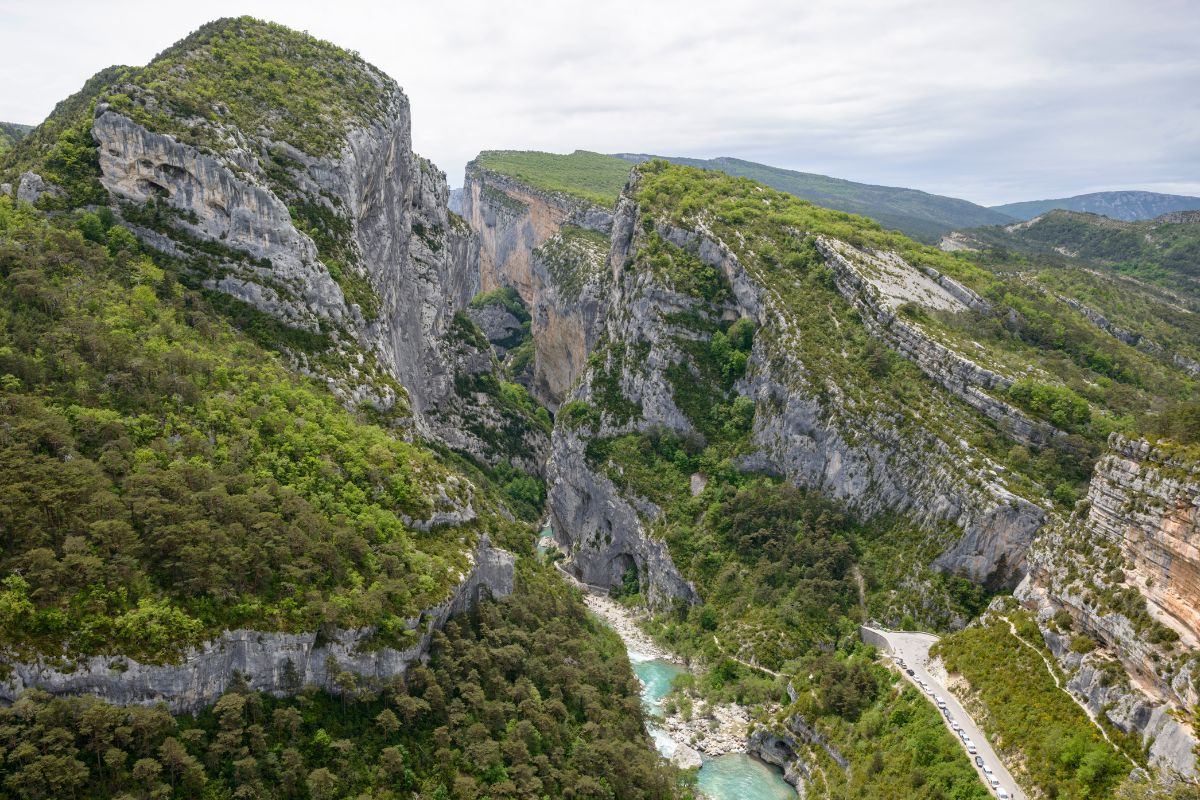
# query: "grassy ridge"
[593,177]
[918,214]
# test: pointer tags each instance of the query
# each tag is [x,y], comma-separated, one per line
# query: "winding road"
[913,649]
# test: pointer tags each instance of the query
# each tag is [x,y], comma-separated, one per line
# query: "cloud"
[989,101]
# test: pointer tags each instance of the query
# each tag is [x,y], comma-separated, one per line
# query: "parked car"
[1002,794]
[954,726]
[971,747]
[994,781]
[979,762]
[937,698]
[909,671]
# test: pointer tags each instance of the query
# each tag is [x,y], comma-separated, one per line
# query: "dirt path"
[1054,676]
[743,662]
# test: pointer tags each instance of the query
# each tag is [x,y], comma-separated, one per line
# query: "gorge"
[280,432]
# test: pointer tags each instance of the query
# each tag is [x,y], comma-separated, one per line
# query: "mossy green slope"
[918,214]
[593,177]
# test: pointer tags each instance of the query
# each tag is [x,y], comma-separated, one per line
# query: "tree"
[322,784]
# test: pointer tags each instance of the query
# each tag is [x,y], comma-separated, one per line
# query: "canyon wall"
[552,248]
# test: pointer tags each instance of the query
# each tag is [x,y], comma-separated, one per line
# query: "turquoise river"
[731,777]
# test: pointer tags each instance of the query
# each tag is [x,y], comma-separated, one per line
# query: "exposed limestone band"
[279,663]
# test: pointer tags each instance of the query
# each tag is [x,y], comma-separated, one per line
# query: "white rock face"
[32,186]
[140,166]
[279,663]
[518,227]
[420,266]
[879,283]
[862,458]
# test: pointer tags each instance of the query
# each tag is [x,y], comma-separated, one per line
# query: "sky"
[994,101]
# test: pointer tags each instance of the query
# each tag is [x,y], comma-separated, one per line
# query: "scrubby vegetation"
[574,256]
[1030,718]
[166,478]
[524,698]
[892,736]
[593,177]
[264,78]
[922,216]
[11,133]
[1163,251]
[1082,379]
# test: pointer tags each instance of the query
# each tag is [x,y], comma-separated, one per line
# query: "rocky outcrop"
[860,456]
[602,532]
[1125,571]
[879,283]
[868,462]
[393,269]
[1137,698]
[552,249]
[279,663]
[32,186]
[1146,501]
[787,742]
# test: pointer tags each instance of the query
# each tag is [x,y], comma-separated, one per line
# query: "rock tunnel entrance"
[624,576]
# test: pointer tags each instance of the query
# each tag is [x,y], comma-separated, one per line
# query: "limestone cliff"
[279,663]
[875,457]
[551,248]
[1123,571]
[342,232]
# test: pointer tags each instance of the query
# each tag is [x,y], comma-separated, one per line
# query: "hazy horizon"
[990,104]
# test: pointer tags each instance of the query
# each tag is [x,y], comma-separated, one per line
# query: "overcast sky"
[992,101]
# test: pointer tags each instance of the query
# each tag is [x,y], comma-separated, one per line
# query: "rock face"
[1153,706]
[418,265]
[1148,503]
[1126,574]
[879,283]
[279,663]
[602,531]
[31,187]
[552,249]
[863,458]
[249,221]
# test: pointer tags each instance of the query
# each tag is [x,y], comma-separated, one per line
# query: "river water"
[736,776]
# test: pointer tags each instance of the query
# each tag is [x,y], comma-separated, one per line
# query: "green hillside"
[11,133]
[592,177]
[921,215]
[166,478]
[1164,252]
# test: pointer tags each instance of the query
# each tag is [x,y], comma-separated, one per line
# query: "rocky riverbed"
[710,730]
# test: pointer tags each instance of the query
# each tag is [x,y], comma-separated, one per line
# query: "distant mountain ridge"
[1129,206]
[921,215]
[1164,251]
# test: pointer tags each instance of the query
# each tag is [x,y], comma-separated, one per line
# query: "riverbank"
[624,622]
[713,738]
